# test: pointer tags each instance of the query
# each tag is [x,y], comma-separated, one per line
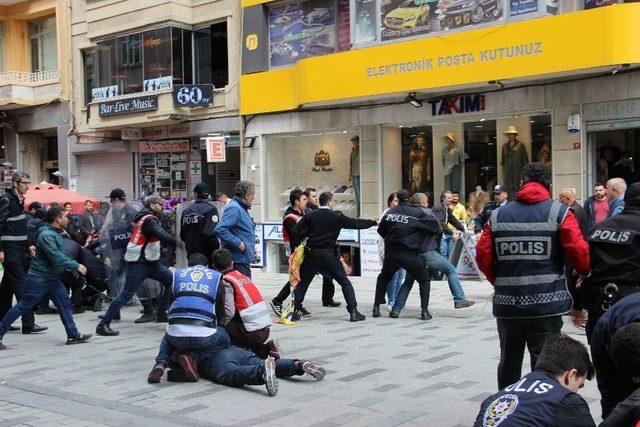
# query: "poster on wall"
[365,29]
[592,4]
[417,160]
[301,30]
[258,254]
[522,7]
[460,13]
[369,252]
[405,18]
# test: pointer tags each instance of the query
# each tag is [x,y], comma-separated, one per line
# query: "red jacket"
[575,247]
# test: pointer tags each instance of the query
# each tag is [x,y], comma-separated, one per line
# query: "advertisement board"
[258,254]
[522,7]
[591,4]
[301,30]
[369,252]
[216,152]
[365,15]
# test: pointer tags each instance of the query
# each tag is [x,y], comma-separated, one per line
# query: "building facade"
[151,79]
[35,76]
[448,94]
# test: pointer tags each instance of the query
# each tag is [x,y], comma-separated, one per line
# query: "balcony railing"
[29,79]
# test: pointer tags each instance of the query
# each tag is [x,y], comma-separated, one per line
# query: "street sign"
[192,95]
[215,147]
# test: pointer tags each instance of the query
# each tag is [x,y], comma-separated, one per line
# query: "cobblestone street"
[381,372]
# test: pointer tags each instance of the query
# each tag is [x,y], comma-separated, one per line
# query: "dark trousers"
[326,262]
[35,288]
[416,270]
[243,268]
[16,264]
[253,341]
[328,291]
[197,345]
[236,367]
[514,335]
[136,273]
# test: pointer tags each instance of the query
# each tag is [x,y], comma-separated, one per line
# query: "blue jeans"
[35,288]
[196,345]
[243,268]
[136,273]
[236,367]
[394,285]
[437,262]
[446,245]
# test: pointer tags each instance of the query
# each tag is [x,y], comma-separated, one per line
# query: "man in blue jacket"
[43,277]
[236,229]
[615,192]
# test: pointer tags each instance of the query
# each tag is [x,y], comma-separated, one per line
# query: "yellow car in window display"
[409,15]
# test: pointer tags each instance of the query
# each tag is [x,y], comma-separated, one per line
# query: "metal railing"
[29,79]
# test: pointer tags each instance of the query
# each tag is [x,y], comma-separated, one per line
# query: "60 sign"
[192,95]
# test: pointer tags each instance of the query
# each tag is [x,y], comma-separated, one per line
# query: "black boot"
[148,313]
[376,310]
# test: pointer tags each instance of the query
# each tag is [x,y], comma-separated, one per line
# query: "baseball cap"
[403,195]
[117,193]
[201,190]
[499,189]
[632,195]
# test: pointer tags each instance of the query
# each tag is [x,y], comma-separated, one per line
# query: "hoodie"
[575,247]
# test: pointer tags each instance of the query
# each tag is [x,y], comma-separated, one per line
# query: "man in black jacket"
[322,228]
[404,229]
[143,258]
[15,251]
[500,197]
[198,224]
[444,212]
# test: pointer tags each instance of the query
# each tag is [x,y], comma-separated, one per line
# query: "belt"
[195,322]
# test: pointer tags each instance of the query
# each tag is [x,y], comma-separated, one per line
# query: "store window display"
[417,160]
[481,164]
[452,163]
[617,155]
[354,167]
[514,159]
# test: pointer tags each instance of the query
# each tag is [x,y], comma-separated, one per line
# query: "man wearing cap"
[500,198]
[521,252]
[198,224]
[614,245]
[143,260]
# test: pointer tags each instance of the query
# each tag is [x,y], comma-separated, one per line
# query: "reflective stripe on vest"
[532,401]
[17,218]
[530,278]
[14,238]
[285,234]
[249,303]
[195,290]
[139,243]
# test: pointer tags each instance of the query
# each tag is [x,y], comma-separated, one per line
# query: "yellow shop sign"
[538,47]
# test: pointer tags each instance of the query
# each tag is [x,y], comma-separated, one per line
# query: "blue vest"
[530,279]
[530,402]
[194,290]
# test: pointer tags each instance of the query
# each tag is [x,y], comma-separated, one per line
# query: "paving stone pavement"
[381,372]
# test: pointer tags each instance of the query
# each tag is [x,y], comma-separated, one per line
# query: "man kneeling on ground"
[246,316]
[192,318]
[548,395]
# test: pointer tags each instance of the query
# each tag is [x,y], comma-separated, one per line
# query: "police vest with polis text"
[195,290]
[532,401]
[248,300]
[141,247]
[614,245]
[530,279]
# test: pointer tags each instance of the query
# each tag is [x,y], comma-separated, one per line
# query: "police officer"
[500,197]
[522,252]
[192,318]
[404,229]
[15,251]
[198,224]
[614,246]
[322,228]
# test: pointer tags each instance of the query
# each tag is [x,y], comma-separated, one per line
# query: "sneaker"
[79,339]
[36,328]
[277,308]
[294,316]
[317,372]
[14,328]
[269,376]
[463,304]
[275,350]
[146,318]
[189,368]
[304,312]
[156,374]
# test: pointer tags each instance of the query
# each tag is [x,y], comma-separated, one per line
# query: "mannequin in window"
[514,158]
[452,162]
[544,156]
[420,164]
[354,174]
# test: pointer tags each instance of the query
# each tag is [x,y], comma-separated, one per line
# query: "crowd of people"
[545,258]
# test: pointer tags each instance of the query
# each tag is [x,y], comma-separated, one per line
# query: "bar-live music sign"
[457,104]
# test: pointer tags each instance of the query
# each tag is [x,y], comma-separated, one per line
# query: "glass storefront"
[616,155]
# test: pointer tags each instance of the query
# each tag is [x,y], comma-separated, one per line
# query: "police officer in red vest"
[522,252]
[143,258]
[246,316]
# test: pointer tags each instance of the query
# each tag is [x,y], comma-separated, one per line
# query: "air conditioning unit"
[51,164]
